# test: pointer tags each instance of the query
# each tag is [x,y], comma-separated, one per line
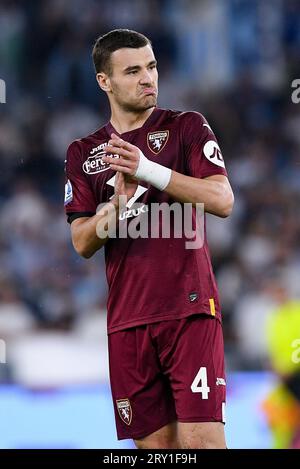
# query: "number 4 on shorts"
[201,379]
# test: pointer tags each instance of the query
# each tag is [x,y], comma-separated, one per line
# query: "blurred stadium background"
[232,60]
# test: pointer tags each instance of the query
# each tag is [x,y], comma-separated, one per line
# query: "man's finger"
[122,169]
[120,143]
[118,151]
[118,161]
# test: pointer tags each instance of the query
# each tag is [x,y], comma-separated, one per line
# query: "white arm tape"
[157,175]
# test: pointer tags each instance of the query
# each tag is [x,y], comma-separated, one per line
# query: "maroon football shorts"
[167,371]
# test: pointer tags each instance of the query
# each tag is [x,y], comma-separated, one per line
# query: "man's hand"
[90,233]
[124,185]
[133,162]
[129,156]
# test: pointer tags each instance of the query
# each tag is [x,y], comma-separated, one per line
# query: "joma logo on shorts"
[221,382]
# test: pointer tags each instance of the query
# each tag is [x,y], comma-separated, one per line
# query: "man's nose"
[146,78]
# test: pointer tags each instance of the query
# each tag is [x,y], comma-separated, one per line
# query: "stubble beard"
[138,107]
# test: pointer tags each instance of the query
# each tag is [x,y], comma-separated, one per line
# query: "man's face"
[133,82]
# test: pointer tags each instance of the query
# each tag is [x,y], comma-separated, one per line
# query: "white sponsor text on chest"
[94,163]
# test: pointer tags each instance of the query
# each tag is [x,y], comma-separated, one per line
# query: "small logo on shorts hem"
[221,381]
[124,410]
[193,297]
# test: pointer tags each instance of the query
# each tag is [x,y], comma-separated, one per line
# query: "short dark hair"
[110,42]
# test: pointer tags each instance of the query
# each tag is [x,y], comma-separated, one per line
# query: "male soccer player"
[164,325]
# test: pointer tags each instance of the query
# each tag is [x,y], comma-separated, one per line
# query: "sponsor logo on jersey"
[156,141]
[98,148]
[68,192]
[124,410]
[133,212]
[140,190]
[213,153]
[94,164]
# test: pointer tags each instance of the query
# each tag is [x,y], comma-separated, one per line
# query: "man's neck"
[124,121]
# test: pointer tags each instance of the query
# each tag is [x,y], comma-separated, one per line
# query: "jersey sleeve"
[203,155]
[79,197]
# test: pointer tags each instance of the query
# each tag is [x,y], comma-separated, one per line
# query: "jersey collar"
[152,118]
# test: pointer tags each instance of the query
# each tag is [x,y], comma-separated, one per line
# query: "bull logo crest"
[125,411]
[157,140]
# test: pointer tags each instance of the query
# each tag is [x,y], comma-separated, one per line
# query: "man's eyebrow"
[137,67]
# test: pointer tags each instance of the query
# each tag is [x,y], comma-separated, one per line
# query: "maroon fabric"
[149,279]
[152,368]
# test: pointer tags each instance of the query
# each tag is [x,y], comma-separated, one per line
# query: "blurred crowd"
[232,60]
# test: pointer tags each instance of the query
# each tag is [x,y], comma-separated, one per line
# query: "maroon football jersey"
[149,279]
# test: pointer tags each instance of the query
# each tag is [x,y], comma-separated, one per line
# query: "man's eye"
[132,72]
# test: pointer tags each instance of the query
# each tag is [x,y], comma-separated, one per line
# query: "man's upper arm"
[203,154]
[79,197]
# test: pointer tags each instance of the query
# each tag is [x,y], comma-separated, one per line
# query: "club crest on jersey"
[94,163]
[157,140]
[125,411]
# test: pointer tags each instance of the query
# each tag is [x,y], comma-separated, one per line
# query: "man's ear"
[103,81]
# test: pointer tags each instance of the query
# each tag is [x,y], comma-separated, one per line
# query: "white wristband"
[157,175]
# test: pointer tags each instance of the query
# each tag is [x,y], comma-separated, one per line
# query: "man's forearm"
[216,195]
[91,234]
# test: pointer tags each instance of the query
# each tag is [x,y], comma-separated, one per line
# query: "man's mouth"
[149,91]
